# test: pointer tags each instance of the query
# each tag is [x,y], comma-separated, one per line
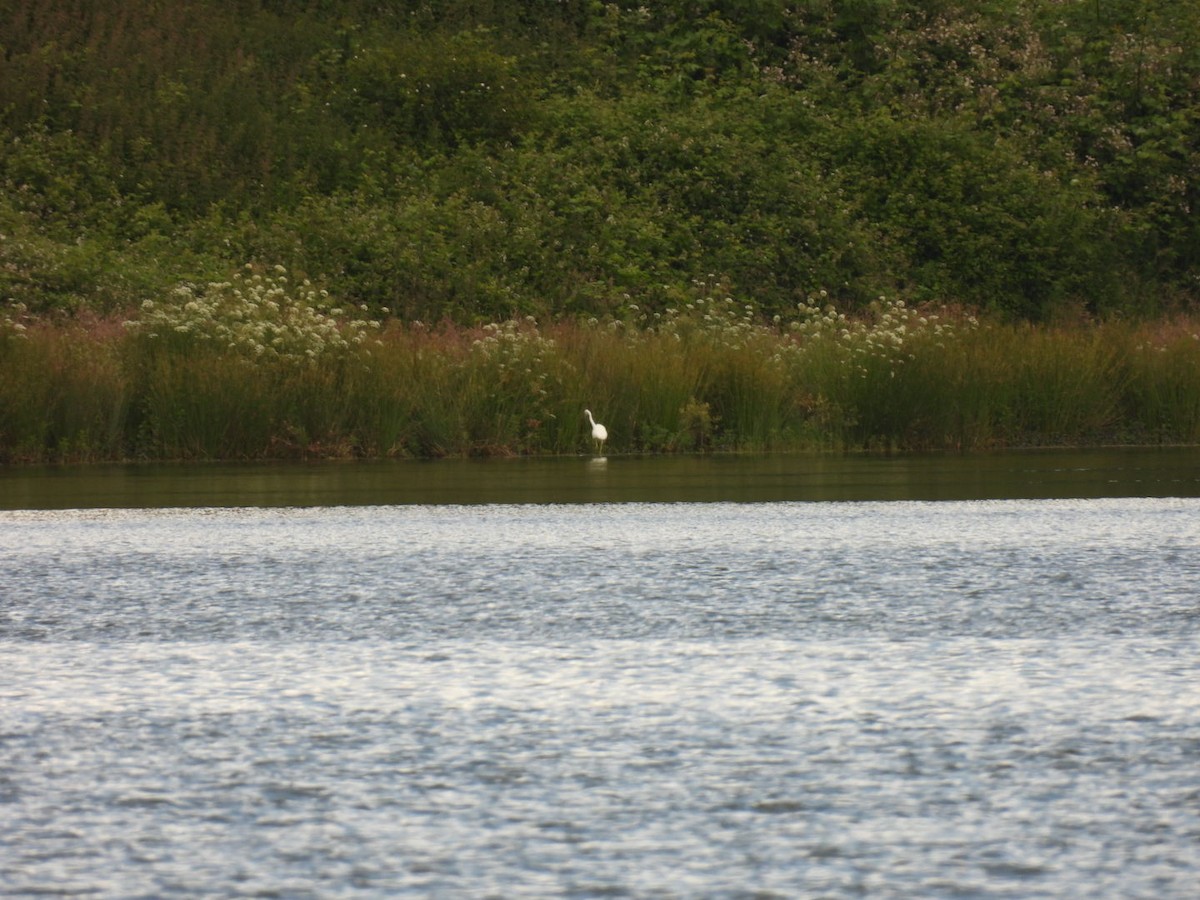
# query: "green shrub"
[438,89]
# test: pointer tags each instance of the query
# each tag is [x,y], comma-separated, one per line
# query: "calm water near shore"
[1170,472]
[951,677]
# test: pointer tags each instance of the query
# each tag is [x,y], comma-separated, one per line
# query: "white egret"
[599,432]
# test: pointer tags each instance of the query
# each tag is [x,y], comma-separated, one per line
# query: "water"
[964,698]
[1125,472]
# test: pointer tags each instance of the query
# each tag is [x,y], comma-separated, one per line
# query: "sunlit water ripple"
[955,699]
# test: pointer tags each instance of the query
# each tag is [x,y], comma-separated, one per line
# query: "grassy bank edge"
[710,377]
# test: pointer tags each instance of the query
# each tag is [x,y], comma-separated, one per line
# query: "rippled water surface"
[886,699]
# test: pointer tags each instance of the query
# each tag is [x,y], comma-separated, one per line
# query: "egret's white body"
[599,432]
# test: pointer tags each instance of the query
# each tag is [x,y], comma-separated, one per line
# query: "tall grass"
[64,394]
[1162,388]
[259,368]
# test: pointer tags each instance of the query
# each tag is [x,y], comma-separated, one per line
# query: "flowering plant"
[256,316]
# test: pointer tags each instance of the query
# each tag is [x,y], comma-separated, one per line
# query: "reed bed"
[258,368]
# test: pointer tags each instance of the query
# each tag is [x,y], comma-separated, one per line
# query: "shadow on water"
[1170,472]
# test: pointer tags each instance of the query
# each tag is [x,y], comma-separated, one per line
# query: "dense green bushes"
[484,160]
[601,179]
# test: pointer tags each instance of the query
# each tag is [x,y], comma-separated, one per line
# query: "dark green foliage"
[967,217]
[433,90]
[475,160]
